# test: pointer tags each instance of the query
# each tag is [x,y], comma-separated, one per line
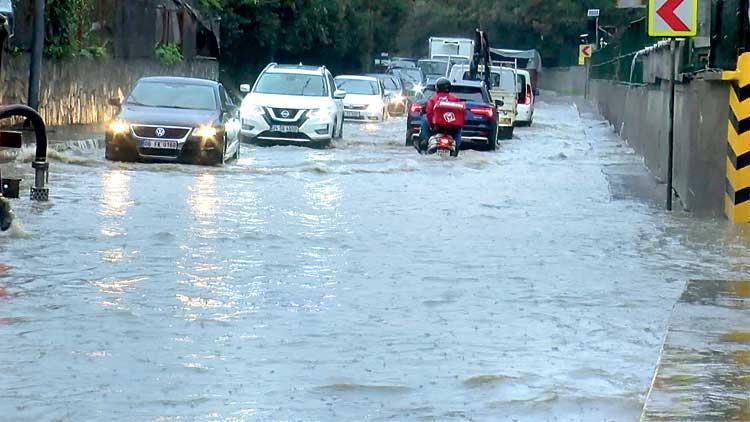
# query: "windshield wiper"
[136,103]
[174,106]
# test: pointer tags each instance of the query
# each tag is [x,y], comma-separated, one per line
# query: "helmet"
[443,85]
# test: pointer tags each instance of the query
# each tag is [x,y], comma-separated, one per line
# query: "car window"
[173,95]
[292,84]
[466,93]
[358,86]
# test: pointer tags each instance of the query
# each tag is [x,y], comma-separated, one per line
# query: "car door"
[230,118]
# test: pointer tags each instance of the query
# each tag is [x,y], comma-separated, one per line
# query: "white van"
[504,89]
[525,113]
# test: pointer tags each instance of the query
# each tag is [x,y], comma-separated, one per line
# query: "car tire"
[505,133]
[113,153]
[237,152]
[492,145]
[341,129]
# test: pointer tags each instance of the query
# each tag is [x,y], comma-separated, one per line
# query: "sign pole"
[670,158]
[588,78]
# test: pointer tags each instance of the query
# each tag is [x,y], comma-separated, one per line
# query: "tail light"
[445,142]
[483,111]
[415,108]
[529,96]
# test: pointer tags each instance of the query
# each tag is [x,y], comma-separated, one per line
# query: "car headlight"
[119,127]
[418,89]
[205,132]
[319,113]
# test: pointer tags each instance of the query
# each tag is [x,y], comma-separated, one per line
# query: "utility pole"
[37,48]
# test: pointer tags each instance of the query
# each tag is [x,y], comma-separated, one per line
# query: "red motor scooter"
[447,117]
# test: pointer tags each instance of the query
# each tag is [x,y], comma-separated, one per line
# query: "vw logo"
[285,114]
[449,117]
[160,132]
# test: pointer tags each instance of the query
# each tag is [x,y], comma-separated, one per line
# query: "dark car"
[413,80]
[175,119]
[434,69]
[396,92]
[480,128]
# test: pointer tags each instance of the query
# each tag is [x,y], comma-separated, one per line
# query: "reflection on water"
[115,196]
[202,198]
[361,282]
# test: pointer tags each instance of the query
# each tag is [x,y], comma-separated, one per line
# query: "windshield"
[6,6]
[390,83]
[358,86]
[173,95]
[291,84]
[410,75]
[434,68]
[464,93]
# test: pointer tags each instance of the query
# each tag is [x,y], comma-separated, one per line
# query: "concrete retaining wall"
[76,91]
[640,113]
[565,80]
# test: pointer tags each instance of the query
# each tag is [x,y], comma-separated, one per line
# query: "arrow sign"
[584,52]
[673,18]
[667,13]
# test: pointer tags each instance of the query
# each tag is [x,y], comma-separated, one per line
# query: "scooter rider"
[443,87]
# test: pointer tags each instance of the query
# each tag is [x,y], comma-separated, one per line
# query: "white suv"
[292,105]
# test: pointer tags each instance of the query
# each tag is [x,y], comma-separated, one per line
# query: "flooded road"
[359,283]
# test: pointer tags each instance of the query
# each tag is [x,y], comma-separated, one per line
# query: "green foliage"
[346,34]
[67,30]
[168,54]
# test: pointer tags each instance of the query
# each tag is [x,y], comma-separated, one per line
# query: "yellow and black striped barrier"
[737,198]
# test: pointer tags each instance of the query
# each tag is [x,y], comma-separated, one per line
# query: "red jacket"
[439,96]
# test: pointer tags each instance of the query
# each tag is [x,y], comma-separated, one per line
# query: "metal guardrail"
[40,191]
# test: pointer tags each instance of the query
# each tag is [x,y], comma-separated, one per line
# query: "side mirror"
[245,88]
[499,103]
[537,92]
[339,94]
[115,102]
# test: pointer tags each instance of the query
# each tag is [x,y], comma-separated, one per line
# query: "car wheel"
[341,129]
[237,152]
[336,130]
[113,153]
[492,144]
[505,133]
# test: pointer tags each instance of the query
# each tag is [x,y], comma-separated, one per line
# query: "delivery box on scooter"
[448,114]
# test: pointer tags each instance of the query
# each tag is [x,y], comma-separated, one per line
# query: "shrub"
[168,54]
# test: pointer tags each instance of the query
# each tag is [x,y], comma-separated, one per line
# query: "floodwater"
[358,283]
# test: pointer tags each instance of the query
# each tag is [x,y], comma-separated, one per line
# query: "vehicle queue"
[195,121]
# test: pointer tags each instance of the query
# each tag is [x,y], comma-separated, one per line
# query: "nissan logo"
[160,132]
[285,114]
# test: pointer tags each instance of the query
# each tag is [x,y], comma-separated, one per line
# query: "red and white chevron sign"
[673,18]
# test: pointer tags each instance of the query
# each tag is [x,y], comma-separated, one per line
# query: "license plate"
[284,129]
[159,144]
[351,114]
[443,153]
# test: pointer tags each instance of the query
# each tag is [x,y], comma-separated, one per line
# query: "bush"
[168,54]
